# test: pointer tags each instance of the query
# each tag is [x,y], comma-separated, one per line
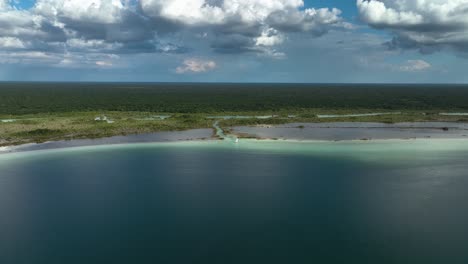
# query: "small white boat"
[237,140]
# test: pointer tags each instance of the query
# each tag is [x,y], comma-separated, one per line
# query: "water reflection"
[352,204]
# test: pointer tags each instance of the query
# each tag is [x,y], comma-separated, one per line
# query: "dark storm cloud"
[233,43]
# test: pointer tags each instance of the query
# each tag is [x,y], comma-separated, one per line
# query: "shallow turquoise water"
[252,202]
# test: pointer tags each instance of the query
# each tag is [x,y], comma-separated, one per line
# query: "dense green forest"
[33,98]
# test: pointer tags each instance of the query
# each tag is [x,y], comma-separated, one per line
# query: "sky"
[288,41]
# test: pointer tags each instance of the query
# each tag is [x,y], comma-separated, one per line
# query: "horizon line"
[229,83]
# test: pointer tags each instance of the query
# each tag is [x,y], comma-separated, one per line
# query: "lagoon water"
[252,202]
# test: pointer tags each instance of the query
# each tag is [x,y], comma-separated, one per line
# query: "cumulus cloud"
[196,66]
[25,25]
[99,11]
[159,26]
[427,25]
[315,21]
[244,25]
[216,12]
[269,37]
[112,21]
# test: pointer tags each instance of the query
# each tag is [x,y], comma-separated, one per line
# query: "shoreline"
[347,148]
[100,124]
[293,132]
[157,137]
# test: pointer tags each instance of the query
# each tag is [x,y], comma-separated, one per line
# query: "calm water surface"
[255,202]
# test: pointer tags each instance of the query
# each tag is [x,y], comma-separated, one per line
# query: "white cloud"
[24,24]
[185,11]
[11,43]
[4,5]
[98,61]
[378,12]
[91,45]
[252,11]
[104,63]
[269,37]
[284,14]
[100,11]
[216,12]
[159,26]
[28,57]
[424,24]
[415,66]
[196,66]
[246,23]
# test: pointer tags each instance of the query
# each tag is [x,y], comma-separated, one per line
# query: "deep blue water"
[200,204]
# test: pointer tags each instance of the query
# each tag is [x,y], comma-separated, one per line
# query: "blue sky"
[25,4]
[347,6]
[221,41]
